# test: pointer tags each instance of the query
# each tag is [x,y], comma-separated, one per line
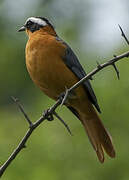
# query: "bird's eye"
[29,23]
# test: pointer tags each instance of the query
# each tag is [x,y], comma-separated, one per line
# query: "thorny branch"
[97,69]
[48,115]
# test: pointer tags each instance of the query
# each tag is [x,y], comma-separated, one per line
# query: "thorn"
[16,100]
[117,71]
[63,122]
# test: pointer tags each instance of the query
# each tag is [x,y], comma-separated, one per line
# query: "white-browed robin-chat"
[53,66]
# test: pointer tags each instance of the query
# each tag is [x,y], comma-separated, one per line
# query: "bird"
[53,67]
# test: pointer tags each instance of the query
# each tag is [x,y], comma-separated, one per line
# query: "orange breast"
[46,67]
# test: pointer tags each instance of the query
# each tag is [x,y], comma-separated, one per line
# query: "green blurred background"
[91,29]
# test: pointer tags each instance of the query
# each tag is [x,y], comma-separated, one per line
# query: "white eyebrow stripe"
[37,20]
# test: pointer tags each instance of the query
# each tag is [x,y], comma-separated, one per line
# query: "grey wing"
[73,64]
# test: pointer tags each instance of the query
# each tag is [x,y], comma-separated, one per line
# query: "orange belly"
[47,69]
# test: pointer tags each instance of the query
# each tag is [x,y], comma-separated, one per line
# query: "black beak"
[23,28]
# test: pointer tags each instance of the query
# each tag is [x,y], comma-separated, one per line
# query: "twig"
[22,110]
[123,34]
[117,71]
[97,69]
[51,111]
[22,143]
[67,127]
[100,67]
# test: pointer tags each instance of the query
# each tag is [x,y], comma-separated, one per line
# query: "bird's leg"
[61,96]
[65,96]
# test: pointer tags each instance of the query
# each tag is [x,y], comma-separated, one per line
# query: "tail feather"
[98,135]
[107,143]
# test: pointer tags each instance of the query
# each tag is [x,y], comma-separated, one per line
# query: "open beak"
[23,28]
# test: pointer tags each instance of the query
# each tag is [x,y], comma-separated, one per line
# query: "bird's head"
[34,24]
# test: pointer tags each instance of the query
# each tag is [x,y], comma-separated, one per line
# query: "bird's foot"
[61,96]
[65,96]
[48,115]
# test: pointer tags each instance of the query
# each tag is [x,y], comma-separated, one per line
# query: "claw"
[47,115]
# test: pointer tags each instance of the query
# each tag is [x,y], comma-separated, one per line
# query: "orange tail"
[98,135]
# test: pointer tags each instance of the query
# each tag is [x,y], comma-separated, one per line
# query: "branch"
[97,69]
[27,135]
[48,115]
